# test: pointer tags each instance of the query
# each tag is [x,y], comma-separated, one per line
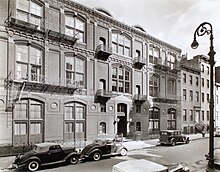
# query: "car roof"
[140,164]
[46,144]
[170,130]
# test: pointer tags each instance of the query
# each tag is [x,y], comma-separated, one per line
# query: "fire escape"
[36,83]
[103,52]
[139,62]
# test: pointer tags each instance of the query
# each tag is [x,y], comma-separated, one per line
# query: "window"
[171,58]
[75,71]
[102,128]
[191,95]
[203,116]
[171,119]
[197,81]
[154,85]
[74,121]
[171,86]
[29,11]
[207,98]
[184,78]
[203,97]
[75,27]
[191,115]
[121,44]
[203,83]
[138,108]
[197,96]
[184,94]
[207,68]
[29,63]
[28,121]
[154,54]
[121,79]
[207,83]
[190,79]
[202,68]
[184,115]
[138,126]
[154,120]
[102,107]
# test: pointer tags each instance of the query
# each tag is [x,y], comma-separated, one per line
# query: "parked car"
[44,154]
[217,132]
[138,165]
[216,154]
[103,147]
[172,137]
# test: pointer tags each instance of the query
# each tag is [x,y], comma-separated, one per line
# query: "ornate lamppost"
[206,28]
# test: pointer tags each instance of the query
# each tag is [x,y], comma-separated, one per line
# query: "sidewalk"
[6,162]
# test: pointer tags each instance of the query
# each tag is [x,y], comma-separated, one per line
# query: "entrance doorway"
[122,118]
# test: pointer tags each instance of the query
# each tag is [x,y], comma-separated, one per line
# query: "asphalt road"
[191,155]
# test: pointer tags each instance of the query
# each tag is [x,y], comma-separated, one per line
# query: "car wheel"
[73,159]
[33,165]
[186,141]
[97,156]
[123,152]
[173,143]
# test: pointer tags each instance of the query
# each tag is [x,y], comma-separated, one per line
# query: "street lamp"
[206,28]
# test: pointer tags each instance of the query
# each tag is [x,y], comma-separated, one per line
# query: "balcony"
[22,25]
[61,37]
[159,64]
[167,98]
[139,62]
[140,98]
[103,95]
[103,52]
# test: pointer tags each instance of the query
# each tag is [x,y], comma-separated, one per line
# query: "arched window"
[75,70]
[29,62]
[153,85]
[121,44]
[102,128]
[121,79]
[74,121]
[28,122]
[154,120]
[75,27]
[30,11]
[171,119]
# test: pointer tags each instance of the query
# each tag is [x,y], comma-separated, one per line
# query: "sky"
[172,21]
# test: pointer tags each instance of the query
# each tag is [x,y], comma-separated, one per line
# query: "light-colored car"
[142,165]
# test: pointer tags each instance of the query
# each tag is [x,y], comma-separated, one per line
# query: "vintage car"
[172,137]
[137,165]
[103,147]
[45,154]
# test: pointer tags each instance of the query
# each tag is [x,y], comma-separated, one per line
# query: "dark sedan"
[45,154]
[103,147]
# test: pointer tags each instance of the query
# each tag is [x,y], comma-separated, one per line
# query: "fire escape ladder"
[20,91]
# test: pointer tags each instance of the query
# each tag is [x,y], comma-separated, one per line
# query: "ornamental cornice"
[111,21]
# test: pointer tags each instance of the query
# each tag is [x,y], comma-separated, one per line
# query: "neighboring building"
[217,97]
[195,94]
[71,73]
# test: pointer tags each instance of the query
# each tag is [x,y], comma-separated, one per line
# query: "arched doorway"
[122,118]
[171,119]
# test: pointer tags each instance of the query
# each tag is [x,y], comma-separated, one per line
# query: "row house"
[217,97]
[71,73]
[195,90]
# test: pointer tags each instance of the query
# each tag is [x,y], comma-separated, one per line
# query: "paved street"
[191,155]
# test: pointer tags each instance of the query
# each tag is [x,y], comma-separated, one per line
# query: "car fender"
[94,150]
[70,154]
[30,159]
[120,148]
[172,139]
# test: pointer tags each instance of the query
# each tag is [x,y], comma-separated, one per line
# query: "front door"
[122,119]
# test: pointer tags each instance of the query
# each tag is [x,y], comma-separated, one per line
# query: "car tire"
[33,165]
[173,142]
[96,156]
[73,159]
[187,141]
[123,152]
